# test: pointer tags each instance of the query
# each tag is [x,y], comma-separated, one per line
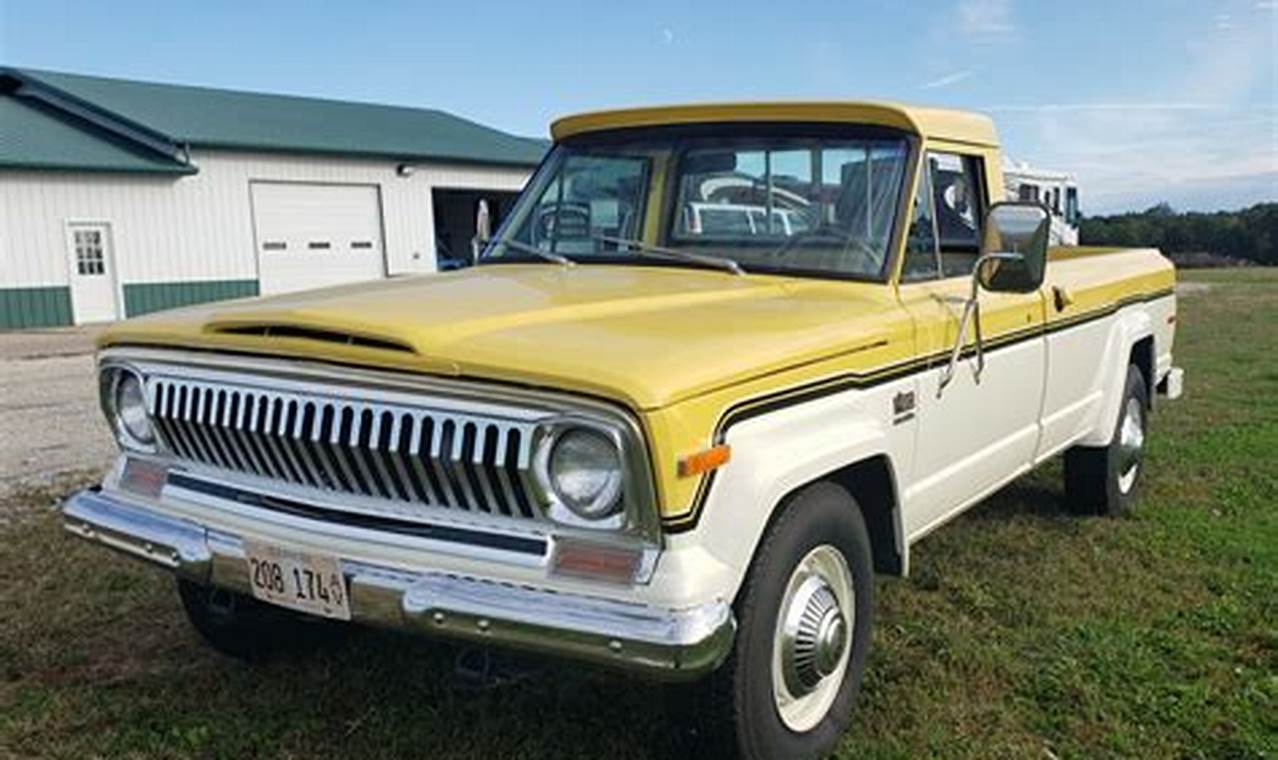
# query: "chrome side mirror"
[1013,248]
[1013,260]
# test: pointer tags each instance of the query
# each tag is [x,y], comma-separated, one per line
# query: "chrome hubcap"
[1131,444]
[813,637]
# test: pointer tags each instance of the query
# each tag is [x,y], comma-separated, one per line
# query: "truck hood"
[648,336]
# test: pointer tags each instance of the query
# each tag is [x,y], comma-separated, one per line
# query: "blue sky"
[1145,100]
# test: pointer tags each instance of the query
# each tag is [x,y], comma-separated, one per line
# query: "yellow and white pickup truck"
[719,366]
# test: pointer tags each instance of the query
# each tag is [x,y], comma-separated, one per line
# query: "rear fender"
[1130,327]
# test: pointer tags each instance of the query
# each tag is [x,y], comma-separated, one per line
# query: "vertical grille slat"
[342,420]
[220,420]
[286,432]
[300,440]
[485,445]
[418,459]
[239,414]
[498,467]
[248,430]
[442,479]
[199,404]
[275,422]
[258,427]
[358,443]
[409,458]
[378,443]
[191,427]
[163,416]
[389,447]
[453,458]
[175,410]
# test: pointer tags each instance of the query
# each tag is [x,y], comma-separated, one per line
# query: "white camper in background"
[1056,190]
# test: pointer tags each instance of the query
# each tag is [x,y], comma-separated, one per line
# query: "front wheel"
[804,617]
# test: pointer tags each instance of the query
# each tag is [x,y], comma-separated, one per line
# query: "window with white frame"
[90,252]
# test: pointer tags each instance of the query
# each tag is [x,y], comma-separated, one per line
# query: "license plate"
[302,581]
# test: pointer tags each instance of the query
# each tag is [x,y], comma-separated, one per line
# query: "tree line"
[1250,234]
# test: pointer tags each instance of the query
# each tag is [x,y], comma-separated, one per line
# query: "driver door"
[978,431]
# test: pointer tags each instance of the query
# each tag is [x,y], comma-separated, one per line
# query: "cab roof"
[959,126]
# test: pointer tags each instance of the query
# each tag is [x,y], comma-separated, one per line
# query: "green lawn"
[1023,632]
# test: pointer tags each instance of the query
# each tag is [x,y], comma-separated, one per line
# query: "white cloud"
[1130,156]
[948,79]
[986,20]
[1210,141]
[1049,107]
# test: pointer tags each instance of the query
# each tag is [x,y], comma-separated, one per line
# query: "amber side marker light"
[705,461]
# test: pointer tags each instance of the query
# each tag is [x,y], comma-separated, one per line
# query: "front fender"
[775,454]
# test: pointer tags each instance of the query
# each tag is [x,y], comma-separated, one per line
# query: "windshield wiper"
[718,262]
[560,259]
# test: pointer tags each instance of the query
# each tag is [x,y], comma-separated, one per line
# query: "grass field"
[1023,632]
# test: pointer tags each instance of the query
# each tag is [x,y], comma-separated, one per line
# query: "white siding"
[199,227]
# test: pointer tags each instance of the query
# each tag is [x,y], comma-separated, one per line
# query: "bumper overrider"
[669,644]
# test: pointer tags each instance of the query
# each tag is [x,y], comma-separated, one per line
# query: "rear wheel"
[804,616]
[1103,480]
[240,626]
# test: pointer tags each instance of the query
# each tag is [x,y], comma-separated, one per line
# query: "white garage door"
[309,236]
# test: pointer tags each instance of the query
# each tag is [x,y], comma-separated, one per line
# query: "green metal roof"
[206,117]
[34,136]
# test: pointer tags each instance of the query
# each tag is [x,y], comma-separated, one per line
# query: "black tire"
[735,711]
[240,626]
[1094,476]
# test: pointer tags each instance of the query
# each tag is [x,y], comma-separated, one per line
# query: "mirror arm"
[972,313]
[972,306]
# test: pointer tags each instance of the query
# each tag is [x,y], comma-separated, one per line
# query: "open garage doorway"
[455,221]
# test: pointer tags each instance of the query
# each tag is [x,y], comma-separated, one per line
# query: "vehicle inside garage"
[455,214]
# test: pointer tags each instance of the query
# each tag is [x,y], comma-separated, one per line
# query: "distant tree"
[1250,234]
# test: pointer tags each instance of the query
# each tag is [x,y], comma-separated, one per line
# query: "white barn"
[119,197]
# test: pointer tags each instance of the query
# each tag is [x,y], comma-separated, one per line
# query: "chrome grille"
[410,455]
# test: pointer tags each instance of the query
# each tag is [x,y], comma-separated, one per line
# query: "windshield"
[780,202]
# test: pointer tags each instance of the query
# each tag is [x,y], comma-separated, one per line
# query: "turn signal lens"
[705,461]
[143,477]
[587,559]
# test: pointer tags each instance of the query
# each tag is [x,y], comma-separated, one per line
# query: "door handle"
[1061,297]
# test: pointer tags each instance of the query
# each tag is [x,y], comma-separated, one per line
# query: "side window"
[921,259]
[957,192]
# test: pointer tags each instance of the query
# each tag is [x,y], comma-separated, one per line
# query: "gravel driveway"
[49,408]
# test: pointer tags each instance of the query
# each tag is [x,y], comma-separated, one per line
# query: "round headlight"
[585,472]
[130,409]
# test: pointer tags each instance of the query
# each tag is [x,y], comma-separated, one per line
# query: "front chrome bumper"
[666,643]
